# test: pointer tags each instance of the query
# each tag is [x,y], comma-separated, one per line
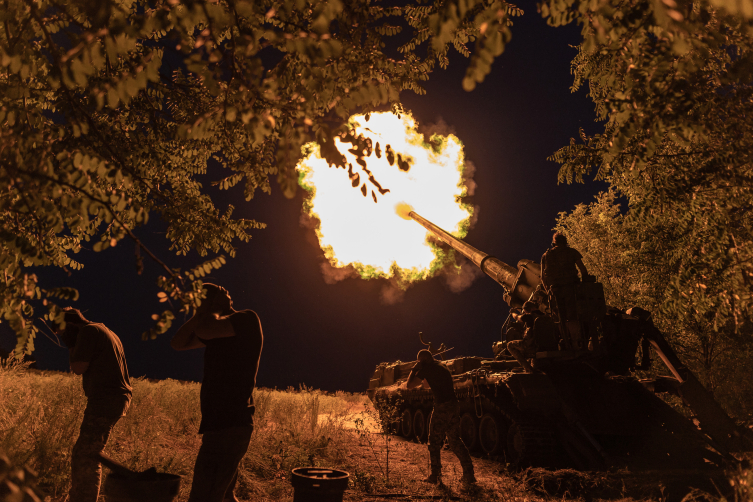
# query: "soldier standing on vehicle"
[233,341]
[559,275]
[445,419]
[97,354]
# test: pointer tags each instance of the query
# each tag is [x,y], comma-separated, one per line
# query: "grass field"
[40,414]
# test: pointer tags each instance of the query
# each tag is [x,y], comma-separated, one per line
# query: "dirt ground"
[497,481]
[293,431]
[392,469]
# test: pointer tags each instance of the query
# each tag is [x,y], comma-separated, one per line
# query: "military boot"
[435,478]
[468,481]
[469,478]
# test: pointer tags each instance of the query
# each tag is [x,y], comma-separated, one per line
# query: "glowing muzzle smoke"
[368,228]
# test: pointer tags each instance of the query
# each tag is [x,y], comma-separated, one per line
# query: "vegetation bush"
[614,249]
[42,411]
[17,484]
[742,483]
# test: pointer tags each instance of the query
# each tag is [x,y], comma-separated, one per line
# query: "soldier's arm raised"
[413,380]
[215,326]
[185,338]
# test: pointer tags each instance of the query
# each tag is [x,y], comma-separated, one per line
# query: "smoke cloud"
[468,172]
[474,217]
[333,275]
[459,280]
[391,294]
[308,221]
[439,126]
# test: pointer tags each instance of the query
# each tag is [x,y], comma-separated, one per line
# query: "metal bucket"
[316,484]
[158,487]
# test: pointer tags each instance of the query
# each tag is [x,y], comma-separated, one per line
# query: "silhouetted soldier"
[445,419]
[233,341]
[559,275]
[540,335]
[97,354]
[512,329]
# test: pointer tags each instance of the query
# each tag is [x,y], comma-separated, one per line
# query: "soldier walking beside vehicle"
[445,418]
[97,354]
[233,341]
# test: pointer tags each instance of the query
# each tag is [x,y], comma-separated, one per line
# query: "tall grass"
[742,483]
[41,412]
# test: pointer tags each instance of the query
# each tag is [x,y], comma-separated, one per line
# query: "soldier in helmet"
[559,274]
[445,419]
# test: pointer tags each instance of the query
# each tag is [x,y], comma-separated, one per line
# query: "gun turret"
[519,283]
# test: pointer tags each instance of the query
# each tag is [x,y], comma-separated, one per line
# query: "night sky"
[331,336]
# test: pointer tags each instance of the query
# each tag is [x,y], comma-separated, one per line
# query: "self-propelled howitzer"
[583,408]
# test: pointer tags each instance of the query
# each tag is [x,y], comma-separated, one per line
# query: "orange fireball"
[363,227]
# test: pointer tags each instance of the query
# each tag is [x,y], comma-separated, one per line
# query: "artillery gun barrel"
[495,268]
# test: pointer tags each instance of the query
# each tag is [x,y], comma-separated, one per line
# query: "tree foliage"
[671,82]
[638,275]
[111,109]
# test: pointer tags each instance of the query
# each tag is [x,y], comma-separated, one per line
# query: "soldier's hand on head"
[69,336]
[204,310]
[69,340]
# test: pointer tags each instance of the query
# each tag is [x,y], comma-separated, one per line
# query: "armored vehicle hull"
[570,416]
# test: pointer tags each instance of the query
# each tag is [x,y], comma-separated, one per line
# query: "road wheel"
[469,430]
[406,423]
[491,434]
[420,425]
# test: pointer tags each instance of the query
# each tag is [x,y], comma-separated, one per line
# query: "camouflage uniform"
[86,472]
[445,421]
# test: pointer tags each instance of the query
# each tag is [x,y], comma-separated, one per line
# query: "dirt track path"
[409,464]
[372,458]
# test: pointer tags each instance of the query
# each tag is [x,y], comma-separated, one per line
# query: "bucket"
[317,484]
[158,487]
